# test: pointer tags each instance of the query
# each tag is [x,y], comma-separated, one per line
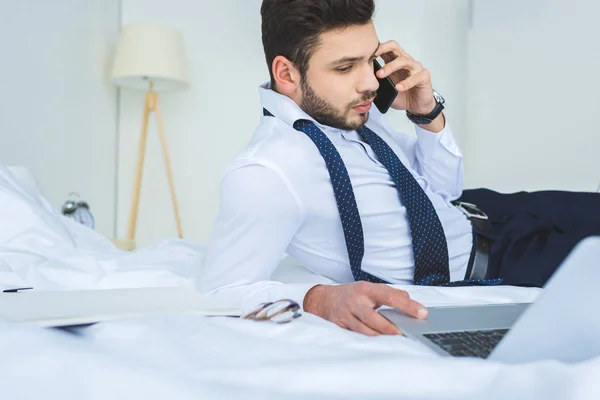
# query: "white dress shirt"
[277,197]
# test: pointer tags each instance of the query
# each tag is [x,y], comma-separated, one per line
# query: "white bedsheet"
[184,356]
[40,247]
[191,357]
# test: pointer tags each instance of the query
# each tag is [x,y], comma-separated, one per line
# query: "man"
[327,180]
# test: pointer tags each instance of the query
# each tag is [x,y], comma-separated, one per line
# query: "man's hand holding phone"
[412,81]
[353,306]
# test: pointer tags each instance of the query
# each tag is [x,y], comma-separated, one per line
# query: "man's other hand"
[352,306]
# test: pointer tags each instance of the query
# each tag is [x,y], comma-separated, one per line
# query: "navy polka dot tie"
[430,248]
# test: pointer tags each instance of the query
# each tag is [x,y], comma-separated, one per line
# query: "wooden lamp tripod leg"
[135,198]
[163,142]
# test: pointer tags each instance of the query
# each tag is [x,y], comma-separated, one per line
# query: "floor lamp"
[151,58]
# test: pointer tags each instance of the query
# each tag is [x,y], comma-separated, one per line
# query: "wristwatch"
[427,119]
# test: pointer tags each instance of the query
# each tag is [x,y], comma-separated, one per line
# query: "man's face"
[340,85]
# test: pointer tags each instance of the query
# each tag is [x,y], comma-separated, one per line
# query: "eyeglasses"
[280,312]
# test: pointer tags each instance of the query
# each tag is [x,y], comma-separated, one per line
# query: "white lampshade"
[150,52]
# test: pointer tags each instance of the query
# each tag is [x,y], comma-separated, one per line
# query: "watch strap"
[426,119]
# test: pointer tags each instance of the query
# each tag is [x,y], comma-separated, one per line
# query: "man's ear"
[286,75]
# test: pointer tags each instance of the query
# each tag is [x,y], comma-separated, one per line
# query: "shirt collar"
[286,109]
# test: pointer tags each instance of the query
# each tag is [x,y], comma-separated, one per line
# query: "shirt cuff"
[429,141]
[291,291]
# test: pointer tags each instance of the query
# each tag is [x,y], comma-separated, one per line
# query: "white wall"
[533,95]
[57,111]
[209,123]
[434,32]
[525,116]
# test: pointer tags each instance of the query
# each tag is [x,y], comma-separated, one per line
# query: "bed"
[186,356]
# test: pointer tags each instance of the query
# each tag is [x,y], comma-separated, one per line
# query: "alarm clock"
[79,211]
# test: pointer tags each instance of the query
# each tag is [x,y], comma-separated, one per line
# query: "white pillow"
[25,177]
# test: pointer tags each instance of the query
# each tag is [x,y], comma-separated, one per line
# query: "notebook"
[80,307]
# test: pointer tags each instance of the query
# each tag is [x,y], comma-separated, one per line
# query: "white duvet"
[182,356]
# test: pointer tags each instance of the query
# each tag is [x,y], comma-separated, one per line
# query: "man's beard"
[326,114]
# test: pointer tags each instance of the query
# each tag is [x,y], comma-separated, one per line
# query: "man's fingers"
[388,57]
[422,77]
[376,321]
[400,63]
[354,324]
[385,295]
[391,49]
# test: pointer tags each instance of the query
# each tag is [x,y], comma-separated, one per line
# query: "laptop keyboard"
[468,343]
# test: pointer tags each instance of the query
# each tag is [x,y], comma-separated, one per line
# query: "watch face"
[86,218]
[83,216]
[438,97]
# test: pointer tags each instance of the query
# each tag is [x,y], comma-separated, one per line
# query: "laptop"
[562,324]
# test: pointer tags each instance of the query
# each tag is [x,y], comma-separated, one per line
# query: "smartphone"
[387,90]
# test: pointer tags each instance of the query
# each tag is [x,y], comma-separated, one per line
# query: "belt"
[477,268]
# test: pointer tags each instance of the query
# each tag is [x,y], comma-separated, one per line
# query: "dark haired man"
[328,180]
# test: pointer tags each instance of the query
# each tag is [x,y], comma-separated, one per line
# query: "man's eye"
[344,69]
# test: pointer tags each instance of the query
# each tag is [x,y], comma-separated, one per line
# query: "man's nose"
[369,82]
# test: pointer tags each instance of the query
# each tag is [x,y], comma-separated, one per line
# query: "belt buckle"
[471,210]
